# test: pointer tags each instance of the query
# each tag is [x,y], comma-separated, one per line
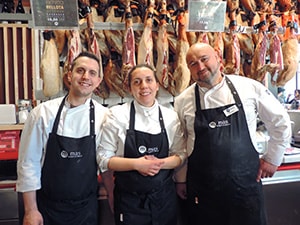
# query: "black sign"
[54,14]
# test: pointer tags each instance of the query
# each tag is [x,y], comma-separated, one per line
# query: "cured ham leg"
[202,37]
[290,61]
[60,40]
[275,51]
[245,39]
[114,37]
[93,46]
[145,47]
[232,48]
[289,51]
[128,52]
[99,34]
[162,70]
[49,66]
[219,47]
[74,48]
[181,75]
[249,5]
[259,68]
[232,53]
[113,78]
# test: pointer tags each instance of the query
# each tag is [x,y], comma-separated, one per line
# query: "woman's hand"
[149,165]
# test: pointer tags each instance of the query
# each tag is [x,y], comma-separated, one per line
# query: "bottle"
[20,8]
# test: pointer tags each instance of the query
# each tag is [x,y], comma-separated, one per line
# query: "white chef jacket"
[146,120]
[257,101]
[74,122]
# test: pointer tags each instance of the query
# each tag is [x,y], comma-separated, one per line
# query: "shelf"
[15,17]
[12,127]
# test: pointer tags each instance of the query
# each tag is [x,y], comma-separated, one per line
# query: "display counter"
[288,171]
[282,193]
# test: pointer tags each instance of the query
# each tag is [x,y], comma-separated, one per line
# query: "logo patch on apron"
[64,154]
[220,123]
[142,149]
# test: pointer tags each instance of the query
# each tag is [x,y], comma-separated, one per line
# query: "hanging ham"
[181,74]
[114,37]
[162,70]
[289,51]
[93,47]
[74,48]
[49,66]
[145,47]
[128,51]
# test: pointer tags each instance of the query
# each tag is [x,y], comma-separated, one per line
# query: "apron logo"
[153,150]
[64,154]
[221,123]
[142,149]
[212,124]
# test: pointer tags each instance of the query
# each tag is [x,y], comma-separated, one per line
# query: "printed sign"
[206,16]
[54,14]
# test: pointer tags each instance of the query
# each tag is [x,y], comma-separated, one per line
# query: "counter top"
[291,158]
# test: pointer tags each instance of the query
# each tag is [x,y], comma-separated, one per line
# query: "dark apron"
[145,200]
[222,169]
[69,178]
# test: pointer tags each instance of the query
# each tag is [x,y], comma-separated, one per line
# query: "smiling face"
[204,65]
[84,77]
[143,86]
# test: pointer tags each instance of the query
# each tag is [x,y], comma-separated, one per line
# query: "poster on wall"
[206,16]
[54,14]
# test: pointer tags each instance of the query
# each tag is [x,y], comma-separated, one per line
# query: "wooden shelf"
[12,127]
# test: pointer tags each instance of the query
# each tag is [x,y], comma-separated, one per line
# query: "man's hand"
[265,170]
[33,217]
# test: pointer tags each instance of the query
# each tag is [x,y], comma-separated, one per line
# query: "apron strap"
[132,114]
[197,96]
[161,121]
[234,92]
[92,119]
[56,121]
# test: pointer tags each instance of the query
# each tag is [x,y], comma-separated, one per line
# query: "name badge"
[229,111]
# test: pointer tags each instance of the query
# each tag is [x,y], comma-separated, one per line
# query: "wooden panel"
[16,70]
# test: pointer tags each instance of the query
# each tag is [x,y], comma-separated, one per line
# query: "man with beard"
[221,181]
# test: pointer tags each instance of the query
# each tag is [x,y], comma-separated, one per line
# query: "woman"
[142,142]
